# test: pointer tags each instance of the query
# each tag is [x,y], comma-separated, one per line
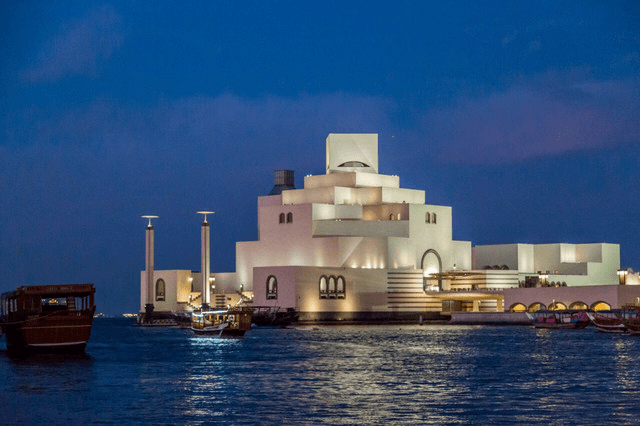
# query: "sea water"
[430,374]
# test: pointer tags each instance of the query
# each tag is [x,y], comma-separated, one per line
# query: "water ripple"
[331,375]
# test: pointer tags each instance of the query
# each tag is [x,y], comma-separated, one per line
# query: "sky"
[522,116]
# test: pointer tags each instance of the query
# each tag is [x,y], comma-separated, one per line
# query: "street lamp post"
[205,261]
[149,268]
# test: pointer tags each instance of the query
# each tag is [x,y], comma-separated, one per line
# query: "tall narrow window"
[323,287]
[340,288]
[434,218]
[281,218]
[289,217]
[332,287]
[427,218]
[160,290]
[272,287]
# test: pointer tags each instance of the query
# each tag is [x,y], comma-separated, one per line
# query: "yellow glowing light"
[427,272]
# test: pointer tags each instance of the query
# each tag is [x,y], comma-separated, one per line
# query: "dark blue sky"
[525,118]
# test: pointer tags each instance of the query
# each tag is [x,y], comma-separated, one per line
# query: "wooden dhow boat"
[559,319]
[631,319]
[232,322]
[274,316]
[47,318]
[608,321]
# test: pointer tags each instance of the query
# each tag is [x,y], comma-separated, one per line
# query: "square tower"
[352,152]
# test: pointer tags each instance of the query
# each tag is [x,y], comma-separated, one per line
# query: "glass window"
[272,287]
[160,290]
[340,288]
[323,287]
[289,217]
[332,286]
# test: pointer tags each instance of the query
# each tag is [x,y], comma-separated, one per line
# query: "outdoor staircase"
[220,301]
[193,300]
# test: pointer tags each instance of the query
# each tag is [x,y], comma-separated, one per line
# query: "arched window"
[289,217]
[434,218]
[160,290]
[281,218]
[332,286]
[272,287]
[537,306]
[601,306]
[341,290]
[391,216]
[427,217]
[518,307]
[557,306]
[578,305]
[323,287]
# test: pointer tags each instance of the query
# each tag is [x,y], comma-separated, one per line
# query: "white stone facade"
[353,244]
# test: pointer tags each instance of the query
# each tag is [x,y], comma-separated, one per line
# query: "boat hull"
[49,335]
[561,320]
[216,332]
[562,326]
[609,322]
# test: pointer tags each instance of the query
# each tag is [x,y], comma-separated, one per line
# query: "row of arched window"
[332,287]
[430,218]
[289,218]
[556,306]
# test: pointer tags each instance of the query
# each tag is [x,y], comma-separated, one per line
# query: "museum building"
[352,245]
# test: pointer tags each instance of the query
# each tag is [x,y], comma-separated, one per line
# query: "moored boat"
[559,319]
[47,318]
[631,319]
[274,316]
[608,321]
[232,322]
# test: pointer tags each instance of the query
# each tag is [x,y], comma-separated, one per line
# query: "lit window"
[289,217]
[281,218]
[332,287]
[340,288]
[272,287]
[160,289]
[601,306]
[391,216]
[323,287]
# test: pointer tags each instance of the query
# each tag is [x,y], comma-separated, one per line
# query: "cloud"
[79,49]
[547,116]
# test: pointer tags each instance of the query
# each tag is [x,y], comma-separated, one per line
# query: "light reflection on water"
[332,375]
